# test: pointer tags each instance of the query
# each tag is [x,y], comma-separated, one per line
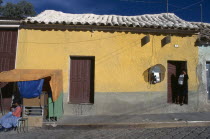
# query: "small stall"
[49,104]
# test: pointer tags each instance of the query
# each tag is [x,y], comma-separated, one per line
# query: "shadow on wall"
[154,74]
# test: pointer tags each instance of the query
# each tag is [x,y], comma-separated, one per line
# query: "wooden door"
[8,44]
[172,70]
[81,80]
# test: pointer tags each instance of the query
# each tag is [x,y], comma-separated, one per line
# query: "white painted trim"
[16,49]
[9,26]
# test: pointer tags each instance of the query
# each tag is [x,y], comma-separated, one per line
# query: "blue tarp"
[30,89]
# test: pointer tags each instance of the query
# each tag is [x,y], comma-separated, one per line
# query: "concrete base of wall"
[130,103]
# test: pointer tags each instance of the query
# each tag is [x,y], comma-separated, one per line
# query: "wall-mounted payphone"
[155,74]
[155,77]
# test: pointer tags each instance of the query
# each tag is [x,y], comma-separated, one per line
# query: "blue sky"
[186,9]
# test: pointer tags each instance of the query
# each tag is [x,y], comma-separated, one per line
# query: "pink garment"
[17,111]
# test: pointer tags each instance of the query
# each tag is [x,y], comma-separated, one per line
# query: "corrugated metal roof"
[163,20]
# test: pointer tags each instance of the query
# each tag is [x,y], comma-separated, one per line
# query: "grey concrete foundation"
[131,103]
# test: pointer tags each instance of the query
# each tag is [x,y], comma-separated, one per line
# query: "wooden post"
[2,108]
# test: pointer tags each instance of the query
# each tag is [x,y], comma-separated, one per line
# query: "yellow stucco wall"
[120,60]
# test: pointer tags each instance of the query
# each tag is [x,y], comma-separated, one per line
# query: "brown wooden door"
[8,44]
[171,81]
[81,80]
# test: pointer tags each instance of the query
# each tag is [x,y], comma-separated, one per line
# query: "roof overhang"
[108,28]
[9,26]
[10,23]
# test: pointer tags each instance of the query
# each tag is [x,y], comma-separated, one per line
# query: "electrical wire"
[186,7]
[82,41]
[174,6]
[142,1]
[127,8]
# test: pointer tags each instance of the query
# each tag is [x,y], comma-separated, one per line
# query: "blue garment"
[9,120]
[30,89]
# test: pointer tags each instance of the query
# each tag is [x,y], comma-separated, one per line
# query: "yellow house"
[113,64]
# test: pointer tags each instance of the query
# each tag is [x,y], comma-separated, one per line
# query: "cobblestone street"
[112,133]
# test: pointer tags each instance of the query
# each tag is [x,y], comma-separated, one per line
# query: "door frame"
[92,77]
[185,67]
[207,93]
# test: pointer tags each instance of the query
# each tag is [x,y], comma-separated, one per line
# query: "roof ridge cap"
[51,11]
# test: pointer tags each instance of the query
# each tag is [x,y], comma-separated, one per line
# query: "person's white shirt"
[181,79]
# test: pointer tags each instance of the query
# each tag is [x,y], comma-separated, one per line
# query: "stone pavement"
[123,127]
[196,117]
[116,133]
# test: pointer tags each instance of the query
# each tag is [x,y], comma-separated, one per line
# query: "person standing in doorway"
[183,87]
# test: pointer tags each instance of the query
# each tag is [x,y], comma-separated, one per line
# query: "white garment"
[181,79]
